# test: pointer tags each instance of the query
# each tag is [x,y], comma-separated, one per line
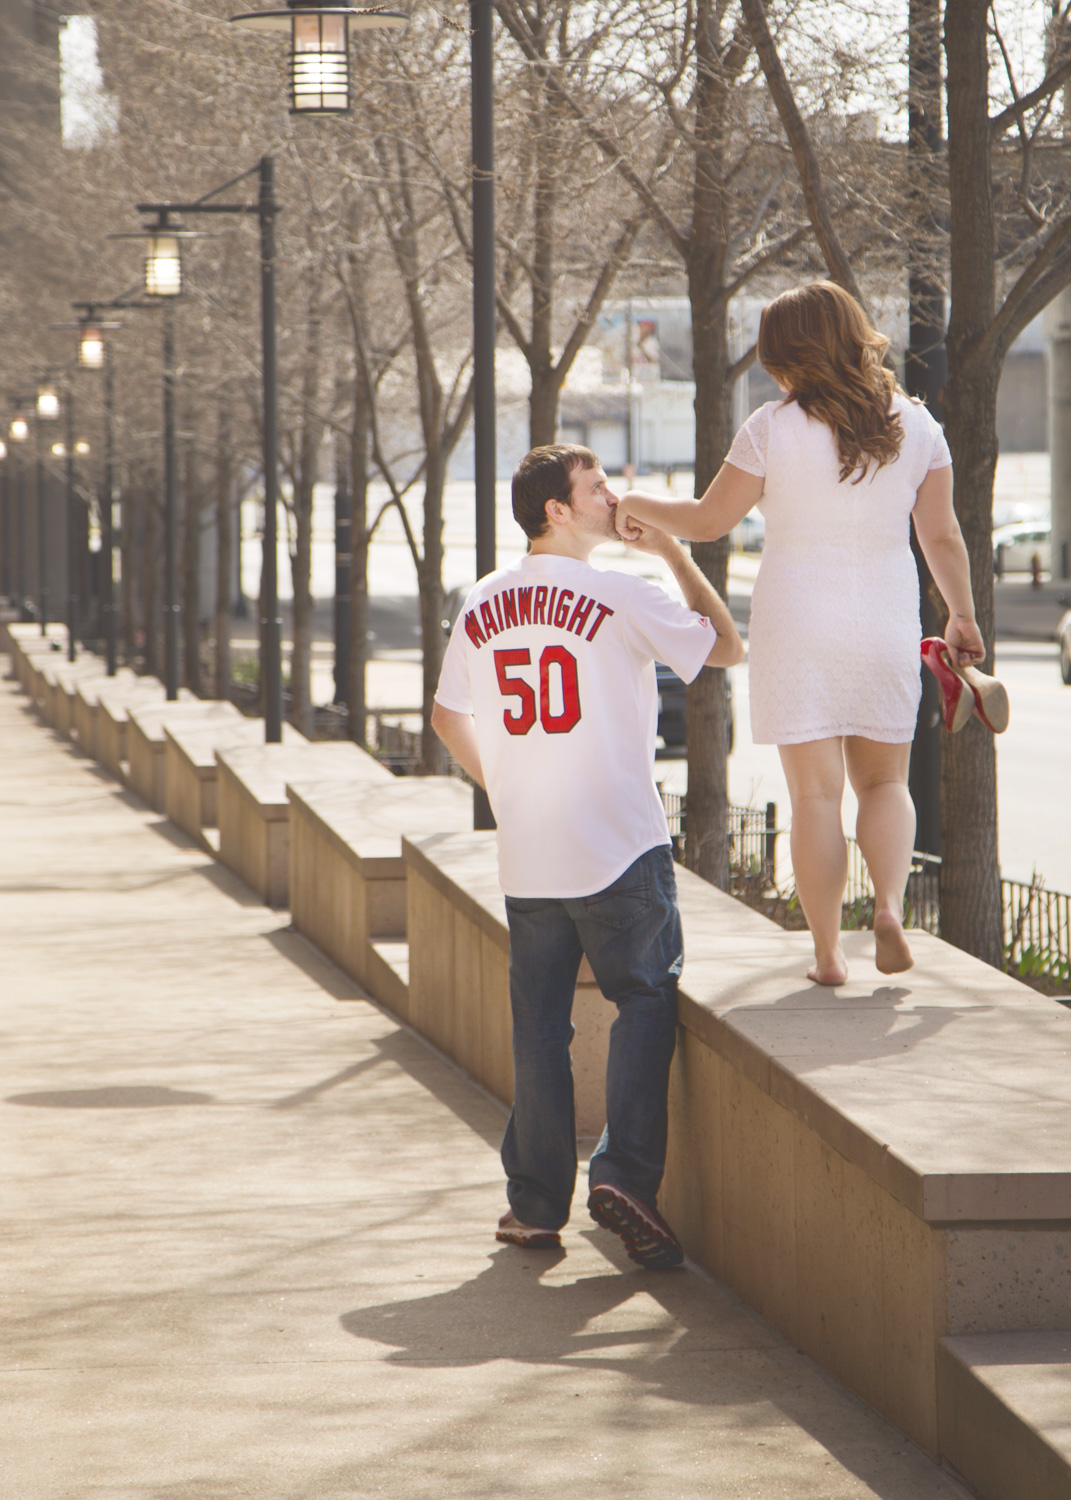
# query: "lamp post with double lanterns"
[164,267]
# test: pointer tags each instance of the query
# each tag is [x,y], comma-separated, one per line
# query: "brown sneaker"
[512,1232]
[647,1237]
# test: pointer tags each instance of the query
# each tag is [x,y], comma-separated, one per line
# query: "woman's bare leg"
[815,775]
[886,833]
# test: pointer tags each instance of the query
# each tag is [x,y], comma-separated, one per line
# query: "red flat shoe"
[956,702]
[984,695]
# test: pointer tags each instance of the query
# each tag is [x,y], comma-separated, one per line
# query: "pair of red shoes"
[965,690]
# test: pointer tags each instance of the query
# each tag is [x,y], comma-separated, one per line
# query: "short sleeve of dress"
[748,451]
[940,457]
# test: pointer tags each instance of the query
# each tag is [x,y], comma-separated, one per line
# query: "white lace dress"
[833,645]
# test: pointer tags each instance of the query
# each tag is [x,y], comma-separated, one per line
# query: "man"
[547,698]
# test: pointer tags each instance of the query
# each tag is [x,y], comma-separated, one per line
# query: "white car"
[1063,638]
[1015,547]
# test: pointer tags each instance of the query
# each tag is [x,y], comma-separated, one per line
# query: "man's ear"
[557,512]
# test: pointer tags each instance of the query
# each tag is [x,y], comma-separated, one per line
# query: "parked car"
[1015,547]
[671,707]
[1063,640]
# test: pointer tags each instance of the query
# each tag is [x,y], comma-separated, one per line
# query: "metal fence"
[1037,922]
[1037,930]
[752,831]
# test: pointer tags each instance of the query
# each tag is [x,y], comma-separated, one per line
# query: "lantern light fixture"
[91,347]
[319,48]
[163,252]
[20,429]
[48,402]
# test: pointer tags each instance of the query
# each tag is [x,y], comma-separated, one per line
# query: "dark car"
[671,707]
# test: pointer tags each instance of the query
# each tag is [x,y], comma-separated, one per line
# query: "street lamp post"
[19,432]
[69,450]
[5,527]
[320,85]
[94,354]
[48,410]
[483,307]
[266,209]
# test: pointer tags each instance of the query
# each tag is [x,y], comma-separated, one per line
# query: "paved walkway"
[245,1229]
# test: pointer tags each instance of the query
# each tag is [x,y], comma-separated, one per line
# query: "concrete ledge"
[347,874]
[191,772]
[872,1169]
[59,682]
[27,644]
[113,716]
[1005,1405]
[85,705]
[147,741]
[254,811]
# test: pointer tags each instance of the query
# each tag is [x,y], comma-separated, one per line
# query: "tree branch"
[810,173]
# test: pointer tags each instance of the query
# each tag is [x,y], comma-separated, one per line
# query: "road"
[1032,758]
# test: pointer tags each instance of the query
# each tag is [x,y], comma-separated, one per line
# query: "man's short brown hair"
[546,474]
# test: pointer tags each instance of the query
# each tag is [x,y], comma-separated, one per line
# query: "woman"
[838,468]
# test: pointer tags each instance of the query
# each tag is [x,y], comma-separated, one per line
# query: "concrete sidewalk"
[246,1229]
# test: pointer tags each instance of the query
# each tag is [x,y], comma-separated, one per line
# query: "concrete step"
[1005,1413]
[389,969]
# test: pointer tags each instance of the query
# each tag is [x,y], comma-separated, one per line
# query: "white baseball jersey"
[555,659]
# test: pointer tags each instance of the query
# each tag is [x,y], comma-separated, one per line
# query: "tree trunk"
[301,715]
[224,548]
[150,573]
[543,406]
[970,873]
[191,574]
[356,697]
[707,698]
[433,761]
[128,550]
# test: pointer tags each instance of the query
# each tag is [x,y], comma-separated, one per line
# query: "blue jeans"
[631,934]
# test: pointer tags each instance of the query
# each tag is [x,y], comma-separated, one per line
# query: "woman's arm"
[728,498]
[946,556]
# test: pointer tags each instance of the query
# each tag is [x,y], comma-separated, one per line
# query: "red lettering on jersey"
[524,599]
[509,607]
[488,619]
[550,605]
[498,612]
[473,631]
[540,605]
[604,610]
[703,620]
[561,614]
[579,618]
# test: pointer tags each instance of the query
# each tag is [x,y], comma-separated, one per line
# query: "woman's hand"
[965,639]
[628,528]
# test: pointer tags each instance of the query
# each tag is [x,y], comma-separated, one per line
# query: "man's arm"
[699,593]
[458,734]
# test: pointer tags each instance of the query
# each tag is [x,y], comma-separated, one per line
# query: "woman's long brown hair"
[820,345]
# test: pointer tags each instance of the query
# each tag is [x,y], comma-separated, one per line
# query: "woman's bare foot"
[832,969]
[893,956]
